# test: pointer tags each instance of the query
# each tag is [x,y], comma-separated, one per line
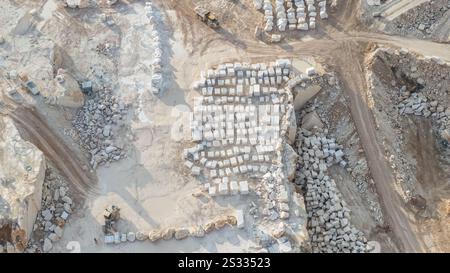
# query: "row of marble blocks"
[291,14]
[225,187]
[236,123]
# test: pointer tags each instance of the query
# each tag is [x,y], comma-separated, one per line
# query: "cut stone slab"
[234,187]
[243,187]
[240,219]
[212,190]
[292,133]
[290,159]
[223,188]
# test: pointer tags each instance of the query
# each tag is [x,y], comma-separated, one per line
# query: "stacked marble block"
[236,123]
[268,15]
[225,187]
[281,15]
[292,14]
[157,78]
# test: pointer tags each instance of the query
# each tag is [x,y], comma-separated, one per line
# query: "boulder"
[168,234]
[47,245]
[290,158]
[304,95]
[154,235]
[209,227]
[279,231]
[231,220]
[181,233]
[141,236]
[198,231]
[312,120]
[221,222]
[131,236]
[78,4]
[66,90]
[445,134]
[292,132]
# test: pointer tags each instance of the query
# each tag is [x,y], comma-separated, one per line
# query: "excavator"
[206,17]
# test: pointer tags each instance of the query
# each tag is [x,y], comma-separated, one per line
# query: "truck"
[206,17]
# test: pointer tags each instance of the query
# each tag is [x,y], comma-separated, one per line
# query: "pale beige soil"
[151,186]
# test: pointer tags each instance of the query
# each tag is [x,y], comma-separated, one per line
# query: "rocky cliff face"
[66,90]
[22,172]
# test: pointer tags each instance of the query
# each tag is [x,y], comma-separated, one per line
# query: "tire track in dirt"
[54,148]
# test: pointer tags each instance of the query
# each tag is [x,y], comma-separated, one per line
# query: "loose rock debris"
[57,207]
[329,218]
[97,123]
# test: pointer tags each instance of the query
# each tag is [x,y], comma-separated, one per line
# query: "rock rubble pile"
[423,18]
[57,206]
[329,223]
[96,123]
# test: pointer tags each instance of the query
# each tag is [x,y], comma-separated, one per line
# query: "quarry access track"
[342,52]
[37,131]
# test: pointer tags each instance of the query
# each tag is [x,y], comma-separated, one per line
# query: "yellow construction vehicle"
[207,17]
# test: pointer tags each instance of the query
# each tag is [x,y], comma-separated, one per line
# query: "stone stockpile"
[239,123]
[96,123]
[329,223]
[418,104]
[422,20]
[57,206]
[422,89]
[243,124]
[291,14]
[272,191]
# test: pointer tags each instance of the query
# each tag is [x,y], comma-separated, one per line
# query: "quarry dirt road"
[351,71]
[35,129]
[325,46]
[347,57]
[344,53]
